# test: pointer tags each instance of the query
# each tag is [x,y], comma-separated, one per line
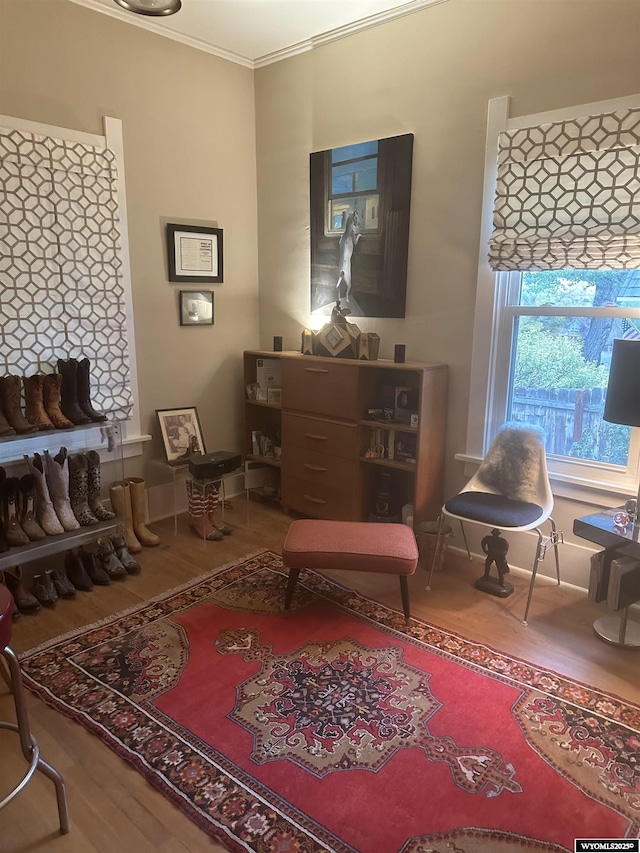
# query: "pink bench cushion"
[353,545]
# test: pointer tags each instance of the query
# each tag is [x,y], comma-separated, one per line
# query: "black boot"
[84,392]
[69,392]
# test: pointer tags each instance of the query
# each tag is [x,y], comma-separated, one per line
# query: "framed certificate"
[195,253]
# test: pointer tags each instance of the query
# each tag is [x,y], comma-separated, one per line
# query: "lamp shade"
[622,405]
[156,8]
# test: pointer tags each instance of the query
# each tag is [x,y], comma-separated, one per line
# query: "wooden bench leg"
[404,592]
[291,585]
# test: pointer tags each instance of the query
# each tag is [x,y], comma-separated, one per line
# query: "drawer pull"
[316,369]
[316,436]
[313,500]
[314,467]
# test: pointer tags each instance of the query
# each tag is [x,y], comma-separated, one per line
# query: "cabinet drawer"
[318,500]
[333,471]
[320,388]
[319,435]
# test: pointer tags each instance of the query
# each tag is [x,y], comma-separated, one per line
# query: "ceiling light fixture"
[156,8]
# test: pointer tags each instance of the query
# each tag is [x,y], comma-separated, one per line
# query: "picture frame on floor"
[181,433]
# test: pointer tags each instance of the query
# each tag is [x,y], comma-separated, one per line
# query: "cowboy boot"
[5,426]
[51,385]
[122,553]
[10,392]
[198,519]
[25,602]
[110,561]
[34,402]
[95,504]
[4,542]
[137,492]
[62,584]
[79,489]
[84,393]
[69,392]
[14,533]
[76,572]
[16,613]
[45,513]
[57,474]
[120,494]
[93,569]
[44,589]
[28,523]
[213,507]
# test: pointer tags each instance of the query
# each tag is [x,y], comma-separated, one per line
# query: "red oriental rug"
[336,728]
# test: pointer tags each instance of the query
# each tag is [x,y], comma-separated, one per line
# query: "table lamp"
[622,405]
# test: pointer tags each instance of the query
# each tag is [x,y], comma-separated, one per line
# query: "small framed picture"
[195,253]
[274,395]
[181,433]
[196,308]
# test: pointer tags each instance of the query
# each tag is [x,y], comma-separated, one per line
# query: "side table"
[602,529]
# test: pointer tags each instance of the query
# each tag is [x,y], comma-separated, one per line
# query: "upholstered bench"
[350,545]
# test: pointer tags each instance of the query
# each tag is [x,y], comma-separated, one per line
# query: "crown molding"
[268,58]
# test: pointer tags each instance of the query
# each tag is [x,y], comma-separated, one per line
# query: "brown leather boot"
[69,392]
[10,397]
[84,392]
[5,426]
[51,399]
[34,408]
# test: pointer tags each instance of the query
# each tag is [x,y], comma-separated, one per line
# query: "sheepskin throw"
[515,462]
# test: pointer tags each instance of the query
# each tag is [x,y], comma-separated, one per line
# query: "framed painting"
[360,206]
[196,308]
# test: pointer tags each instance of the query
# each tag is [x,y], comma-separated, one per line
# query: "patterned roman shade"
[61,292]
[568,195]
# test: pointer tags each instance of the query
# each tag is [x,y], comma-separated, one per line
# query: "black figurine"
[496,548]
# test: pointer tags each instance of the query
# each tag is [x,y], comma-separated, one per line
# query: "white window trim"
[490,317]
[112,139]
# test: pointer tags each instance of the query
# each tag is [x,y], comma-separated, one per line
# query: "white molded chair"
[509,491]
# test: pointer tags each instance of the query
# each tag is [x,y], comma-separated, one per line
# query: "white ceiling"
[258,32]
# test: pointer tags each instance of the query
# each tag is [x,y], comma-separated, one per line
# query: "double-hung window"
[562,281]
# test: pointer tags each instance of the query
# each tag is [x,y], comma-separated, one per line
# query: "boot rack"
[106,438]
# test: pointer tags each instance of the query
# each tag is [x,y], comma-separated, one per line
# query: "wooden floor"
[114,809]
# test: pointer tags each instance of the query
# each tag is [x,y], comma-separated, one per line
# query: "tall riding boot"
[213,509]
[137,491]
[95,504]
[14,533]
[57,474]
[28,509]
[69,392]
[51,385]
[34,402]
[79,489]
[84,392]
[10,397]
[45,513]
[197,502]
[120,494]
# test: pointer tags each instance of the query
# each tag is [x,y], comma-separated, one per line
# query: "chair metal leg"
[464,536]
[555,539]
[29,744]
[533,574]
[436,549]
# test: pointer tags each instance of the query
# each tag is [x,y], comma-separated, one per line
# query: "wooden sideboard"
[347,438]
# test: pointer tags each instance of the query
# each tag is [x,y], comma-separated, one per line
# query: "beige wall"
[190,127]
[189,139]
[431,73]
